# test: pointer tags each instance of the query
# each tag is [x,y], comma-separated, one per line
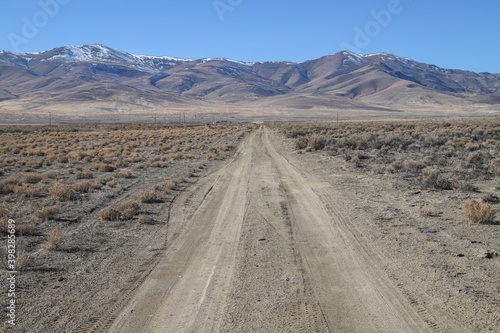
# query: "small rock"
[61,279]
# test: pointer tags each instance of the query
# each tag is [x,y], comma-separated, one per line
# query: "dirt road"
[262,246]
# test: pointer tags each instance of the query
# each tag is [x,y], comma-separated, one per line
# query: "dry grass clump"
[61,192]
[109,214]
[47,213]
[146,196]
[56,239]
[8,184]
[31,178]
[128,209]
[50,174]
[211,153]
[145,219]
[85,174]
[83,186]
[432,178]
[125,174]
[25,191]
[105,168]
[479,213]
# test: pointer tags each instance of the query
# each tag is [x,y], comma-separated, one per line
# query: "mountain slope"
[95,74]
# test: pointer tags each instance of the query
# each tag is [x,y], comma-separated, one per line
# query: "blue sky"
[452,34]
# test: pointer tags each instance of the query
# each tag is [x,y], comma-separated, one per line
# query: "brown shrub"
[432,178]
[26,228]
[474,158]
[61,192]
[111,183]
[109,214]
[125,174]
[51,174]
[85,174]
[83,186]
[47,213]
[145,219]
[170,184]
[105,168]
[25,191]
[146,196]
[31,178]
[56,239]
[128,209]
[211,153]
[479,213]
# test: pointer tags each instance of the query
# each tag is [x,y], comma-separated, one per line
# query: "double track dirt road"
[263,246]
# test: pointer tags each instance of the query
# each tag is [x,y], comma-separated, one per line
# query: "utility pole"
[155,117]
[50,119]
[337,117]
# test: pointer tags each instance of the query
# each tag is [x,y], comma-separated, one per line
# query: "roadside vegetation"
[53,179]
[438,155]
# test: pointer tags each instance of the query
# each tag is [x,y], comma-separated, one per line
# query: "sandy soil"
[263,245]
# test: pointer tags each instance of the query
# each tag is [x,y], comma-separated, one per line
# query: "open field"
[385,226]
[91,204]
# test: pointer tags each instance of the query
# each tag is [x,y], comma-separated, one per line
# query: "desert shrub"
[61,192]
[26,228]
[31,178]
[56,239]
[211,153]
[170,184]
[85,174]
[25,191]
[495,163]
[145,219]
[479,213]
[128,209]
[6,187]
[47,213]
[111,183]
[474,158]
[109,214]
[125,174]
[83,186]
[426,211]
[301,143]
[317,142]
[432,178]
[50,174]
[146,196]
[105,168]
[96,185]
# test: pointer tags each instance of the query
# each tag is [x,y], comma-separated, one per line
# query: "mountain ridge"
[94,75]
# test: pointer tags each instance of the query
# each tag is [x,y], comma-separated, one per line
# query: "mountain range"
[103,79]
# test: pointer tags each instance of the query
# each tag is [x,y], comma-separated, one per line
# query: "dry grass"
[125,174]
[56,238]
[85,174]
[61,192]
[109,214]
[47,213]
[128,209]
[31,178]
[146,196]
[479,213]
[145,219]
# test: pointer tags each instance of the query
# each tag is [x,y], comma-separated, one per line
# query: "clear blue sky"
[452,34]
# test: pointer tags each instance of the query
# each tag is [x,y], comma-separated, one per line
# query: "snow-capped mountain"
[96,73]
